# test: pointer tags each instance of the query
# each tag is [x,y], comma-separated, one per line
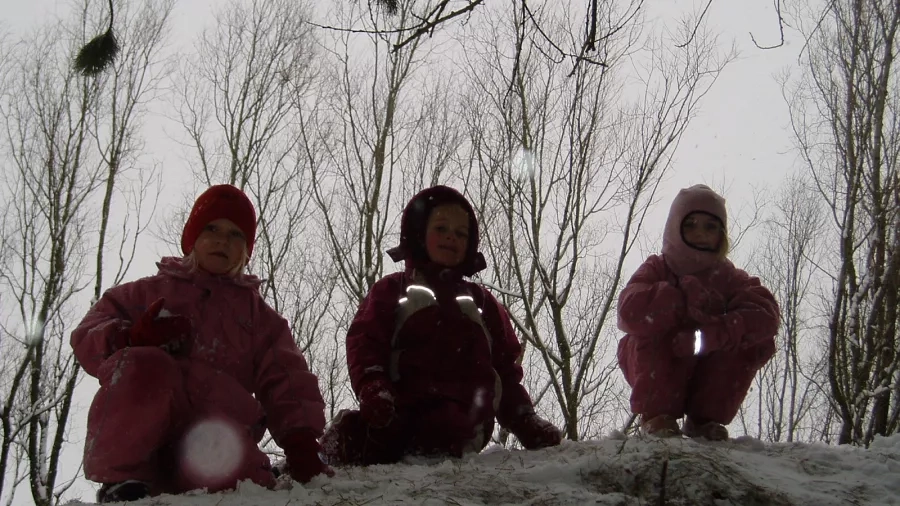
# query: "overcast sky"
[739,137]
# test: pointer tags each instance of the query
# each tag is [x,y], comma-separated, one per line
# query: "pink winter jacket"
[240,347]
[652,305]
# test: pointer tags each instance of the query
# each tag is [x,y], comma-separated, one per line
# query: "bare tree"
[381,123]
[134,80]
[844,116]
[791,394]
[68,140]
[47,121]
[586,47]
[564,170]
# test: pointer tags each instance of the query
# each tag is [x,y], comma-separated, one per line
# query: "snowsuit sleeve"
[93,340]
[288,391]
[514,399]
[753,309]
[650,304]
[370,332]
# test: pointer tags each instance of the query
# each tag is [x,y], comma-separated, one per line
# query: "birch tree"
[68,140]
[844,116]
[791,391]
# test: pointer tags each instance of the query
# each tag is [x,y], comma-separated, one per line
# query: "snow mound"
[615,471]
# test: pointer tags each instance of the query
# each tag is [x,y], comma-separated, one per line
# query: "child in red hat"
[194,366]
[698,328]
[433,357]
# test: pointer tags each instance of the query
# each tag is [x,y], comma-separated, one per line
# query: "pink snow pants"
[706,388]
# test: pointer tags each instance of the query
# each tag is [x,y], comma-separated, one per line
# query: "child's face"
[702,231]
[447,235]
[220,247]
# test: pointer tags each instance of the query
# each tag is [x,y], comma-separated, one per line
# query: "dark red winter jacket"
[439,352]
[435,335]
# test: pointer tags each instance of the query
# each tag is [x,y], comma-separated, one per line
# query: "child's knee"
[759,355]
[140,364]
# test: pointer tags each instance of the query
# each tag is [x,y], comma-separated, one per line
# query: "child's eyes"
[232,234]
[707,227]
[444,229]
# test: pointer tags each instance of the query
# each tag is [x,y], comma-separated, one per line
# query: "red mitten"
[696,295]
[723,333]
[701,302]
[301,453]
[376,402]
[534,432]
[156,329]
[683,343]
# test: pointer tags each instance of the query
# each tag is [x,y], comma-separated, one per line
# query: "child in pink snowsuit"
[432,356]
[194,366]
[692,287]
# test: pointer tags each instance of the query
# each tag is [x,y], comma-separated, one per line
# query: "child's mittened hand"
[534,432]
[156,329]
[716,337]
[683,344]
[699,316]
[301,453]
[376,403]
[695,294]
[701,302]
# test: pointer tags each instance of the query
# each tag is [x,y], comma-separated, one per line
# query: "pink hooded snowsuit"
[652,310]
[240,367]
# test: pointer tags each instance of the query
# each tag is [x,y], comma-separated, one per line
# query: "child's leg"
[658,379]
[721,382]
[139,406]
[350,441]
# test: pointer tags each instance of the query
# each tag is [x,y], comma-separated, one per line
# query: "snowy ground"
[635,471]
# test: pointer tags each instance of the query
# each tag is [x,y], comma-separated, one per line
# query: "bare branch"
[780,16]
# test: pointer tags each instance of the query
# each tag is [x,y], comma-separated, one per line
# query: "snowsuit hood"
[681,258]
[412,232]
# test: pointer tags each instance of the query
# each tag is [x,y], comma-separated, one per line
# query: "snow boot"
[710,430]
[130,490]
[661,426]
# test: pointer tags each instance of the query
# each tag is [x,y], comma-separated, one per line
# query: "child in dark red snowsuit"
[698,328]
[194,366]
[433,357]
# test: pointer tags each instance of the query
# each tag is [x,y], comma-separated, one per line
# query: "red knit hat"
[218,202]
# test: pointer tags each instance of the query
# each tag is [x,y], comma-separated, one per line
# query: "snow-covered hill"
[616,471]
